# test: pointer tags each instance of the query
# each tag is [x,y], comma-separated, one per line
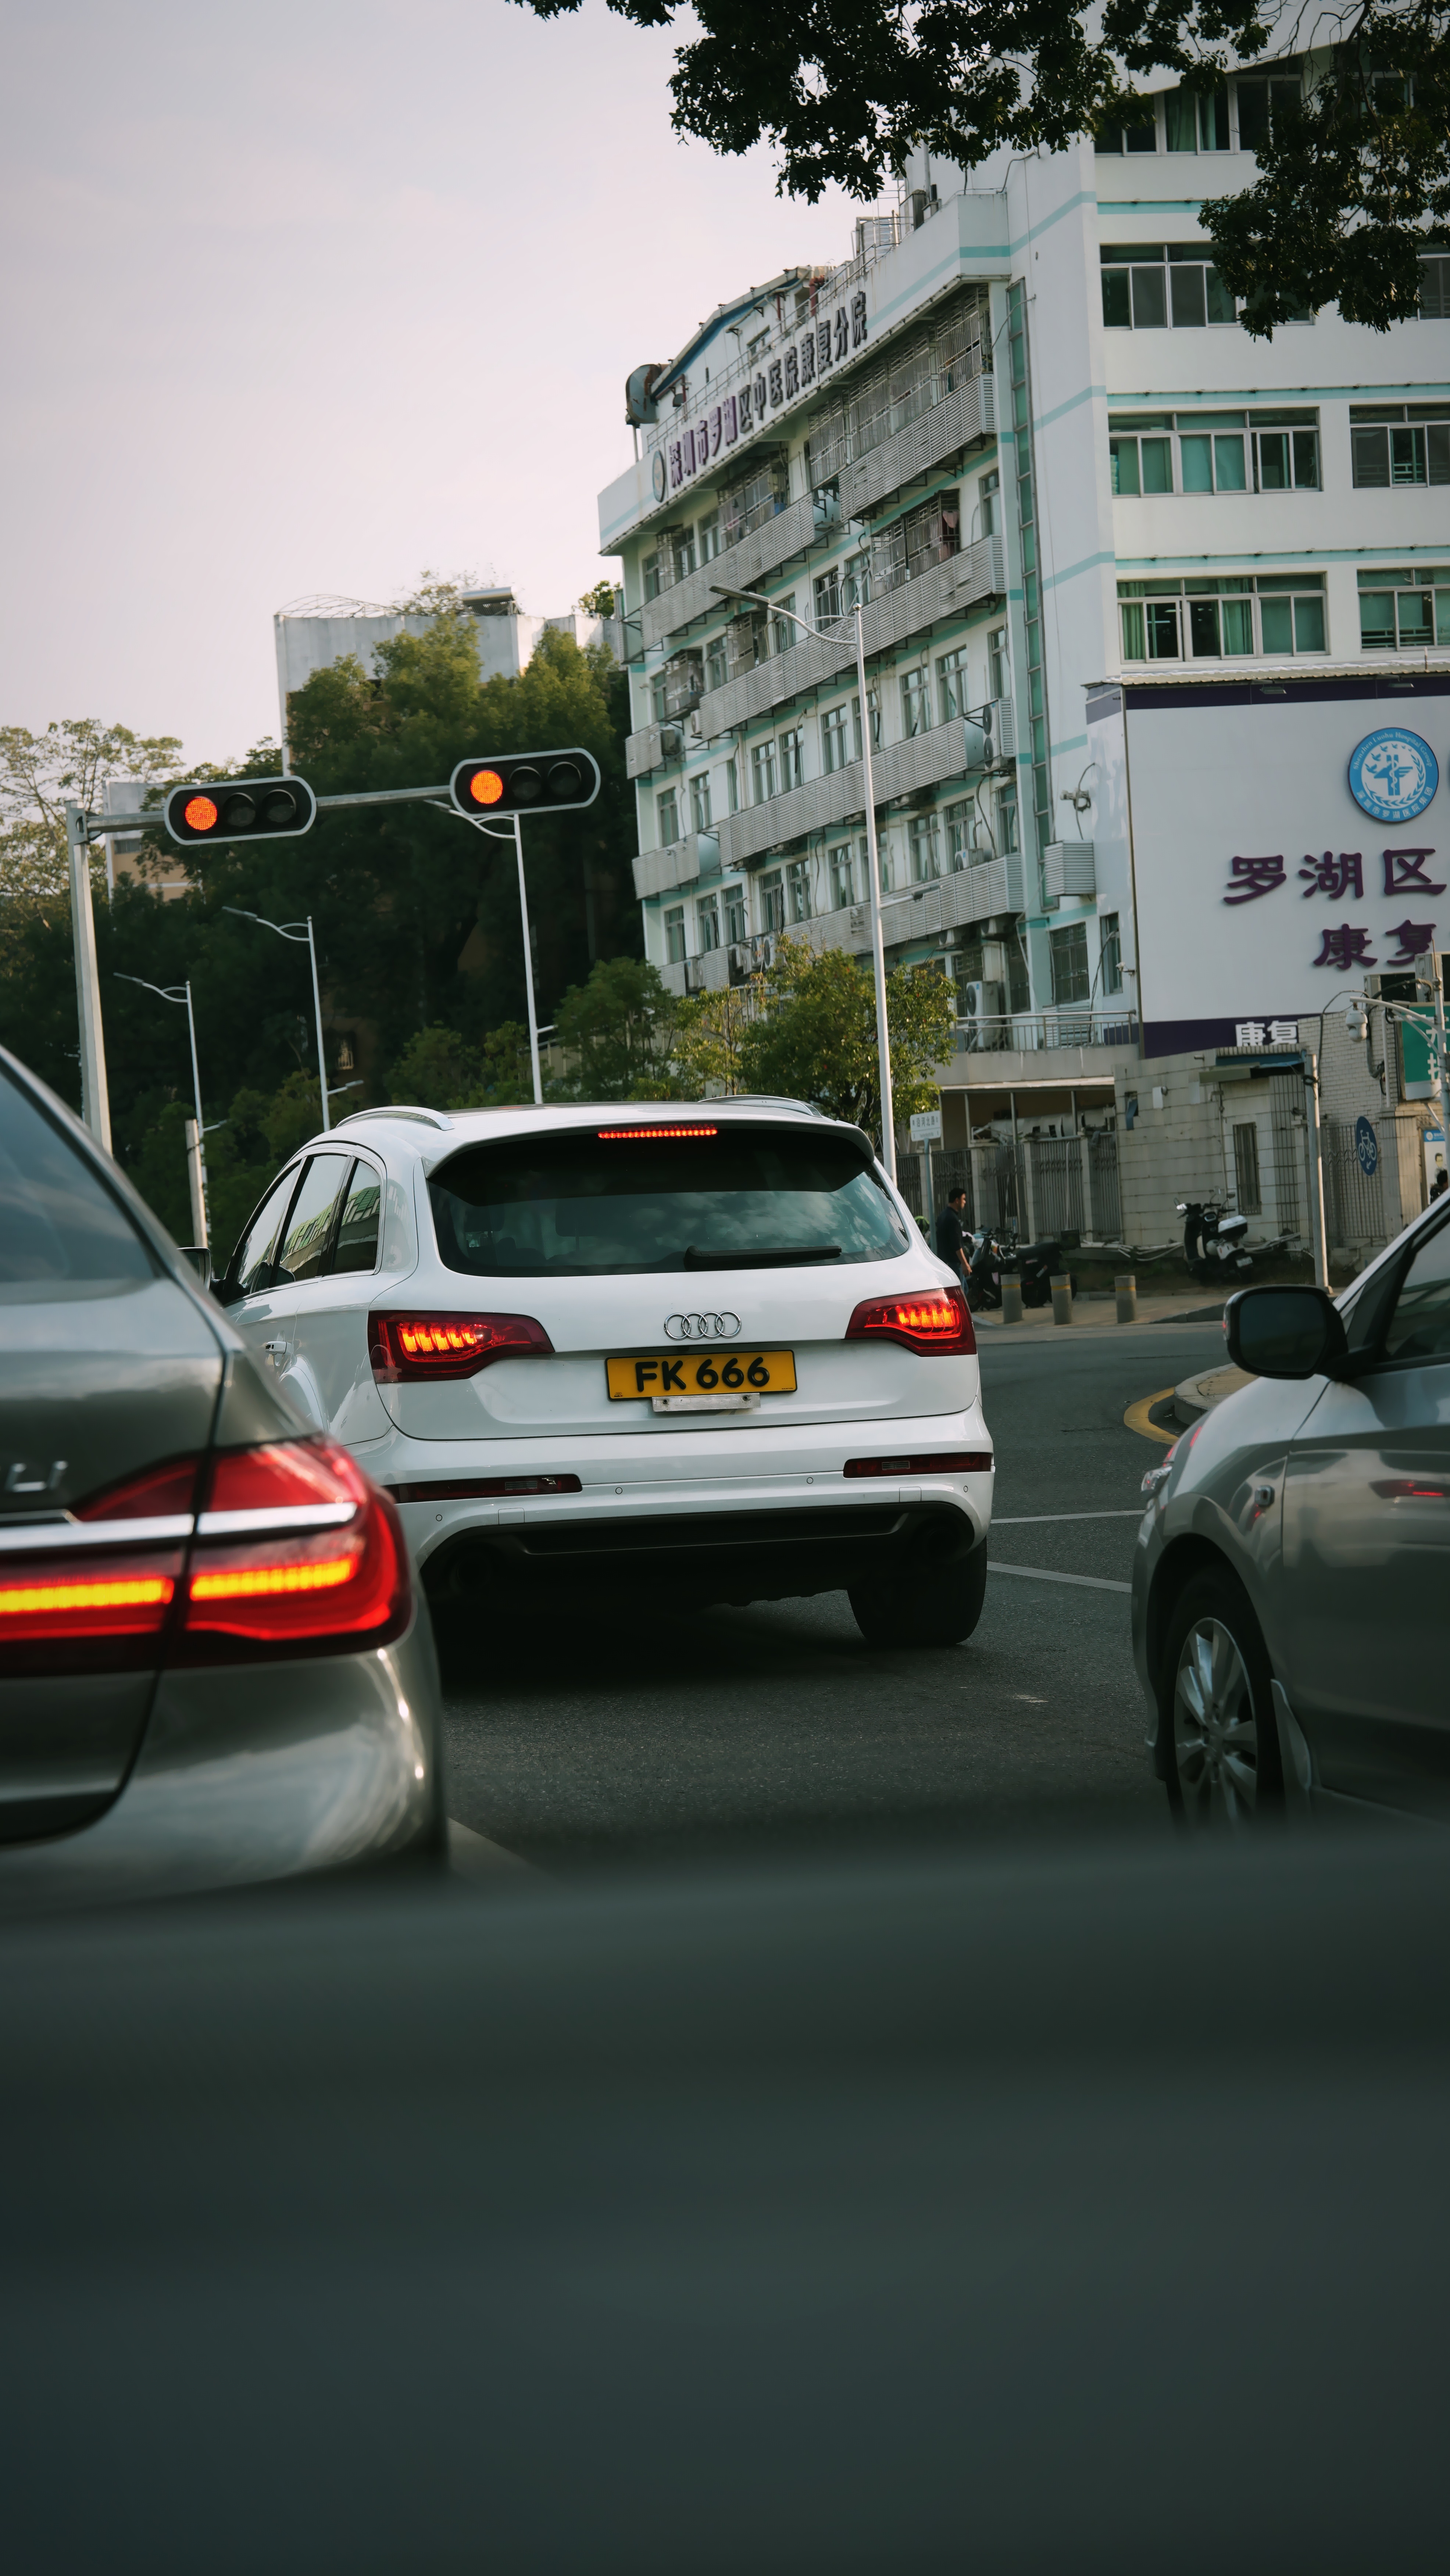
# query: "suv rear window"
[579,1206]
[60,1229]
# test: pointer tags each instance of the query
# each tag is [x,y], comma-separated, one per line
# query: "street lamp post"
[298,931]
[758,599]
[181,993]
[516,835]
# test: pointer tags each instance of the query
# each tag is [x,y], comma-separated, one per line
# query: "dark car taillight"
[418,1346]
[938,1319]
[296,1553]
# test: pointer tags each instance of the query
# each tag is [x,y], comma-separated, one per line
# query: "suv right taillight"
[296,1553]
[421,1346]
[932,1320]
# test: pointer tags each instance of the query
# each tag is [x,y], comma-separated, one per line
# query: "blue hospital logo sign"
[1393,774]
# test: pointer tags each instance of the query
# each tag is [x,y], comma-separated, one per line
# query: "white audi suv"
[690,1354]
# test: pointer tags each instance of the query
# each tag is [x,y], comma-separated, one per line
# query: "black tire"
[936,1609]
[1216,1711]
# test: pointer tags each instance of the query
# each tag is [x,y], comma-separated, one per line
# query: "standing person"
[951,1234]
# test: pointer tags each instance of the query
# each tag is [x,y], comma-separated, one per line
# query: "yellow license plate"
[701,1373]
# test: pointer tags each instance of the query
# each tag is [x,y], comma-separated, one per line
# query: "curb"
[1197,1396]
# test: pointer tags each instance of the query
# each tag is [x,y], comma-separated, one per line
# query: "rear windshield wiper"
[780,1257]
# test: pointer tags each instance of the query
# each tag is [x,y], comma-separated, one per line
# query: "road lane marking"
[1040,1574]
[1136,1417]
[1032,1520]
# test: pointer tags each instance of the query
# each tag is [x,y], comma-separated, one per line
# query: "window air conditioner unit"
[740,957]
[1067,869]
[982,1002]
[670,740]
[765,950]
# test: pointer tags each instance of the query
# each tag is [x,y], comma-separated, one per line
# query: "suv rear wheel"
[1216,1702]
[936,1608]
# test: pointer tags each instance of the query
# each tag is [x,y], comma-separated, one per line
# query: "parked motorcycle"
[993,1251]
[1213,1243]
[1040,1264]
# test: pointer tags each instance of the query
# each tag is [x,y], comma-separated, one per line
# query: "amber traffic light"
[241,809]
[526,782]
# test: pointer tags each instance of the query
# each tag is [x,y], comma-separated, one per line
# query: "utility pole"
[1316,1175]
[95,1098]
[181,993]
[298,930]
[528,967]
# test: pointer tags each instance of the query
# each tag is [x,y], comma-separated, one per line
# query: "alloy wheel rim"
[1215,1732]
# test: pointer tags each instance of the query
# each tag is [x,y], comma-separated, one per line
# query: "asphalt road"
[592,1740]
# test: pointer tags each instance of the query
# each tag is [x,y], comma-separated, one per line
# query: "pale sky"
[305,296]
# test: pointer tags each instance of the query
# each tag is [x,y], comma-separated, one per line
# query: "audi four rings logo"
[701,1328]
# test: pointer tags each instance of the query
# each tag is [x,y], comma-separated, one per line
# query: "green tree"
[815,1038]
[42,773]
[599,602]
[843,89]
[617,1032]
[709,1039]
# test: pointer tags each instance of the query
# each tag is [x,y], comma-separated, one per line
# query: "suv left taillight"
[296,1553]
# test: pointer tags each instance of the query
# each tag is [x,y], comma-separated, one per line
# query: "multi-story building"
[1136,587]
[313,633]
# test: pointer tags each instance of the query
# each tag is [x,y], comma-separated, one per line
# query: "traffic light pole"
[95,1099]
[528,967]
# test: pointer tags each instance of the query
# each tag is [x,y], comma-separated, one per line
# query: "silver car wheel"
[1215,1731]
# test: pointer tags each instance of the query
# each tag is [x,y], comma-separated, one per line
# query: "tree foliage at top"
[42,773]
[843,89]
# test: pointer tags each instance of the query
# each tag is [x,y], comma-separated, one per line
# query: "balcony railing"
[1069,1024]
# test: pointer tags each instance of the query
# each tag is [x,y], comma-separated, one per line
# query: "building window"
[1393,444]
[651,576]
[1006,821]
[988,504]
[1217,620]
[782,633]
[1069,955]
[762,768]
[1257,103]
[700,802]
[929,534]
[793,757]
[798,890]
[874,702]
[915,704]
[1142,136]
[925,848]
[735,930]
[827,596]
[667,810]
[675,934]
[772,902]
[1111,967]
[1196,121]
[951,678]
[732,786]
[707,539]
[843,876]
[1230,451]
[957,836]
[1435,288]
[1246,1170]
[834,754]
[707,923]
[855,584]
[1400,611]
[999,676]
[717,662]
[1155,286]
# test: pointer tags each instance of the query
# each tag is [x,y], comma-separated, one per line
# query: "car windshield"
[61,1232]
[595,1204]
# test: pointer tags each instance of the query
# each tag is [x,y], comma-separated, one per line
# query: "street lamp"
[298,931]
[757,599]
[182,993]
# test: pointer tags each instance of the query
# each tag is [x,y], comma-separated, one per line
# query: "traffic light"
[241,809]
[525,782]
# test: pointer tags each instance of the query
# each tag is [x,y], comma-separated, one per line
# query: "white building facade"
[1137,589]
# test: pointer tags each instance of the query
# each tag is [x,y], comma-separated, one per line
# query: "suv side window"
[1419,1328]
[250,1270]
[308,1234]
[357,1236]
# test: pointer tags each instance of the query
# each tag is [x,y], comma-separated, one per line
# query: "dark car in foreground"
[1292,1572]
[213,1669]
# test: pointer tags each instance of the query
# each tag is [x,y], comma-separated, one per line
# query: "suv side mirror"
[1284,1332]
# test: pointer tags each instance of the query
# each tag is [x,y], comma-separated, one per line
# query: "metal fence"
[1073,1185]
[1354,1199]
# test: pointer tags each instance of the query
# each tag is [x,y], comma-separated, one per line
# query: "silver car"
[214,1668]
[1292,1574]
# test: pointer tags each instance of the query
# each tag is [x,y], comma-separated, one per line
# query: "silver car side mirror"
[1284,1332]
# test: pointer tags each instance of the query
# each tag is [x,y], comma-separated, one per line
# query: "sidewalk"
[1098,1310]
